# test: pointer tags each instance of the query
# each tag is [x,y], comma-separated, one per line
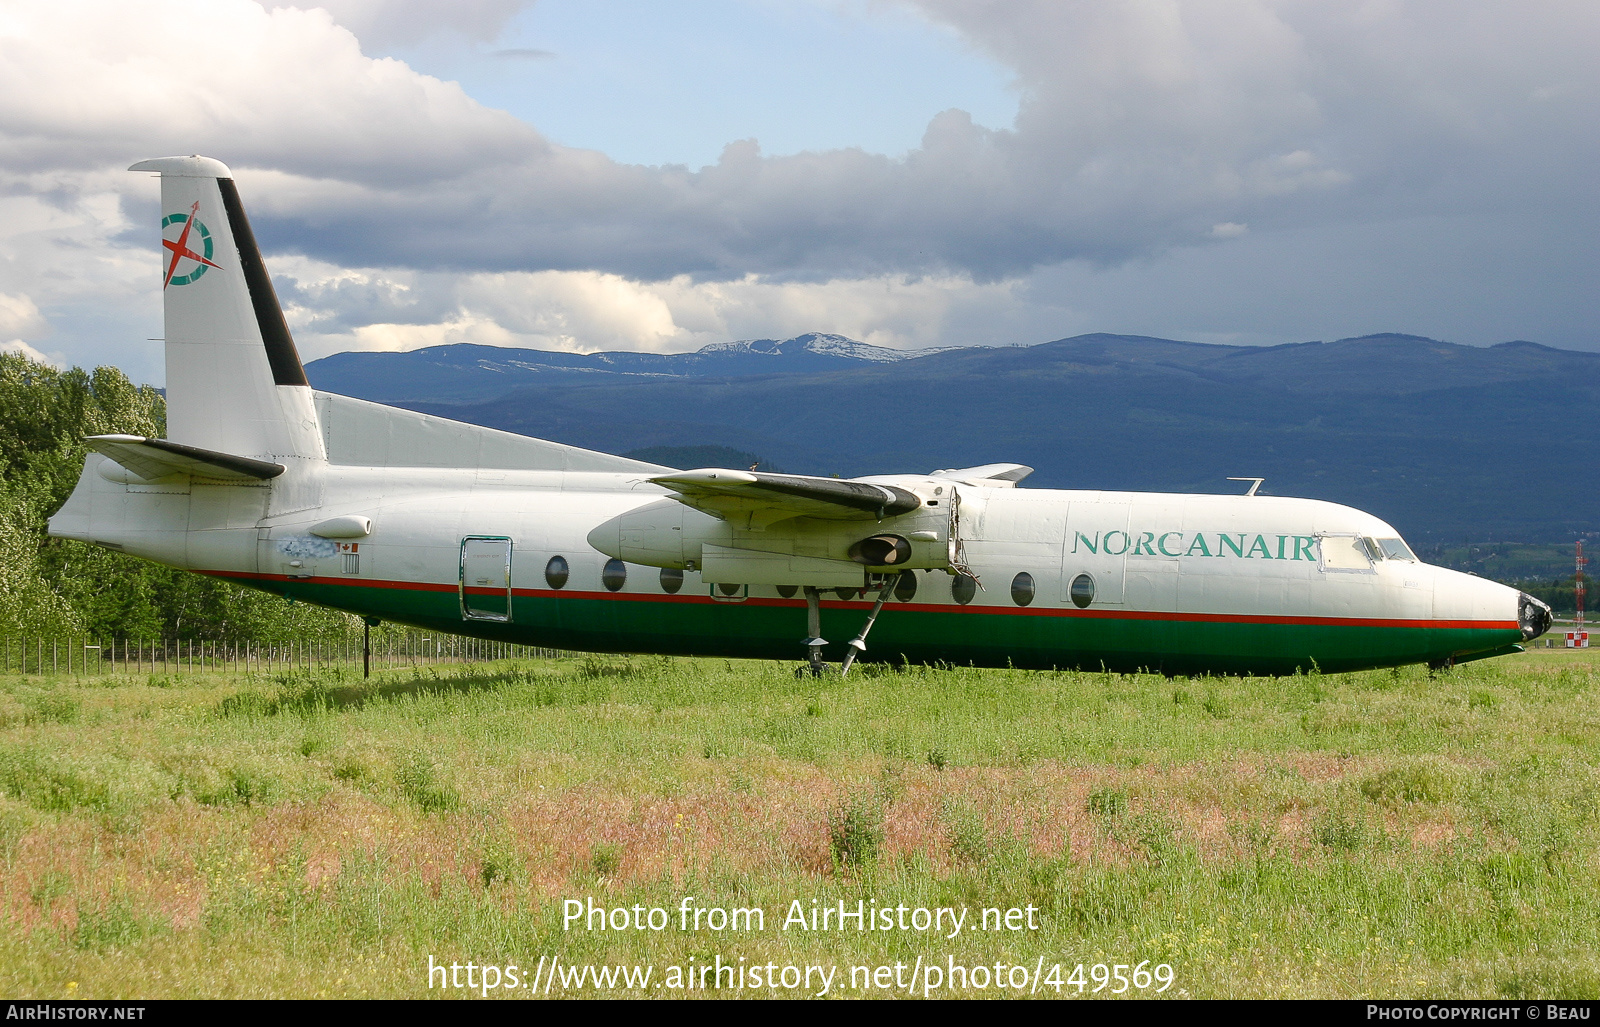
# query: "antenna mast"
[1578,637]
[1577,588]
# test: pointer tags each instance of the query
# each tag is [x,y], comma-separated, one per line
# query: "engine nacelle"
[882,551]
[667,533]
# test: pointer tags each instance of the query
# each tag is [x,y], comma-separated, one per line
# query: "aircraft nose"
[1532,616]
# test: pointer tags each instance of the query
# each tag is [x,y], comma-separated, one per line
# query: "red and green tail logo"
[181,250]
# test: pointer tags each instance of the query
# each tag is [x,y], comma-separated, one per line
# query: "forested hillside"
[52,587]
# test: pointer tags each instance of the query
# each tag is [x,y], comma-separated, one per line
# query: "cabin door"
[485,578]
[1094,557]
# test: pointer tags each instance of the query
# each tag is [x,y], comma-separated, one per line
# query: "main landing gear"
[858,645]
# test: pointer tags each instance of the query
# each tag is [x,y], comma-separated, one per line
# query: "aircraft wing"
[158,458]
[773,497]
[991,475]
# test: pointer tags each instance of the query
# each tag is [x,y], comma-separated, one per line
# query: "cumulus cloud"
[333,309]
[60,266]
[1147,130]
[18,316]
[18,346]
[83,86]
[400,22]
[1143,124]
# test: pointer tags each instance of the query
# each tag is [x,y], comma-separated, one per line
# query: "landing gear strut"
[858,645]
[813,640]
[367,624]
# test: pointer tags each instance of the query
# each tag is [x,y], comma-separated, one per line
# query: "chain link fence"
[83,656]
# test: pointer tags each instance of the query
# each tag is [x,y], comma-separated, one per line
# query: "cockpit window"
[1371,546]
[1396,549]
[1345,553]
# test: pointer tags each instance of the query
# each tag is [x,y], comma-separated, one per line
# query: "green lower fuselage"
[771,628]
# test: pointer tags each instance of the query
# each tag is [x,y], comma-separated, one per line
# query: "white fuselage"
[1182,583]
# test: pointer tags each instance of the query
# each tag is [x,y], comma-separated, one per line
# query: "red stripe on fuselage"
[861,604]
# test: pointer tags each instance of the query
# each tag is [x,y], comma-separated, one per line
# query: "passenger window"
[963,588]
[905,589]
[671,580]
[556,572]
[1022,588]
[1082,591]
[615,575]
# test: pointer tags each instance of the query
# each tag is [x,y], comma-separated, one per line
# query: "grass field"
[316,835]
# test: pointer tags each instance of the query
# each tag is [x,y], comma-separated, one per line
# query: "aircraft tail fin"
[234,379]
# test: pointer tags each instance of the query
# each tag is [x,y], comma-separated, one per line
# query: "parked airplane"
[400,516]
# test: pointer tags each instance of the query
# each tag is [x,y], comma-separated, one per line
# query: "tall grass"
[313,833]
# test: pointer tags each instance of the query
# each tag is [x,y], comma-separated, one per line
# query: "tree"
[60,587]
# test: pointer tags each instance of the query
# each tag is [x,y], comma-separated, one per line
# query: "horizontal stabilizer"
[157,458]
[770,497]
[991,475]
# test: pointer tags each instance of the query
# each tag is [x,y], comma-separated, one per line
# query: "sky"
[621,174]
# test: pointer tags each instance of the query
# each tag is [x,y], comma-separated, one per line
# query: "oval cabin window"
[905,589]
[615,575]
[1082,591]
[788,591]
[1022,588]
[846,593]
[556,572]
[963,588]
[729,590]
[671,580]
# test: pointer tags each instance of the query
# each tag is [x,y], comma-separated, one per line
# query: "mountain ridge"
[1442,440]
[469,371]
